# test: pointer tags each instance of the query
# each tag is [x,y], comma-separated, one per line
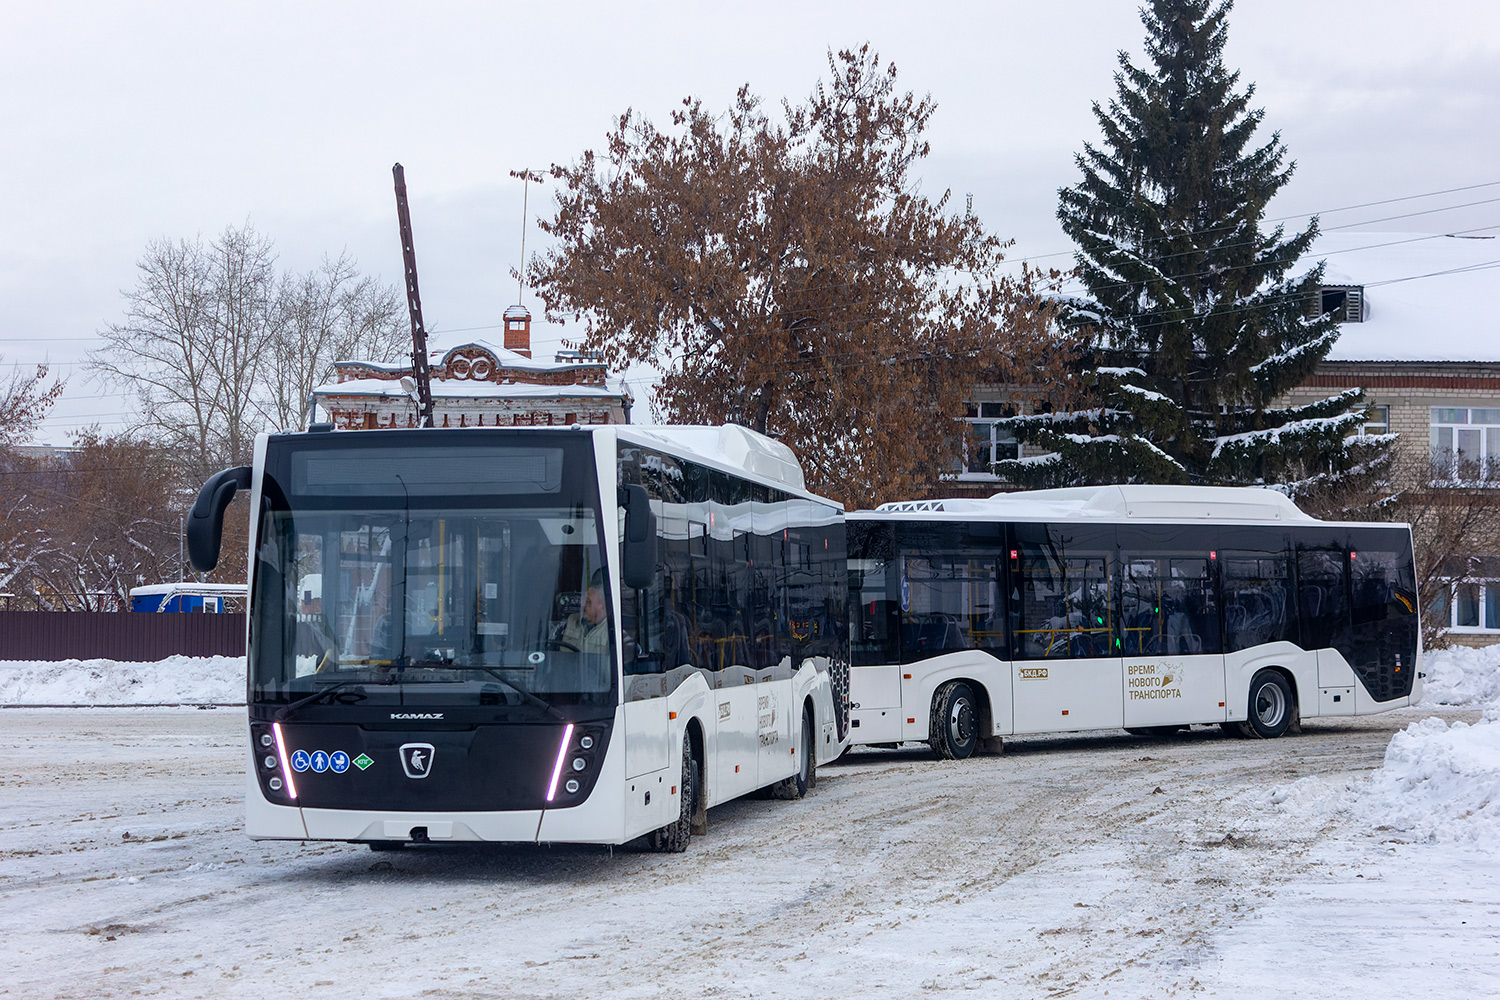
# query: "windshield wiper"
[526,695]
[286,710]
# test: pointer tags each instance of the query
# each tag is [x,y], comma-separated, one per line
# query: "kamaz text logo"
[416,759]
[416,715]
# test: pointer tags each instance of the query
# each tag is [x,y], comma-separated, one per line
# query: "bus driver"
[585,631]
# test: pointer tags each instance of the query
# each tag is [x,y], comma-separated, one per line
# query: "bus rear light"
[286,769]
[562,754]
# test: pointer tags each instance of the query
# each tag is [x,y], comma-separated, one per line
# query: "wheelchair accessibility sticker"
[321,761]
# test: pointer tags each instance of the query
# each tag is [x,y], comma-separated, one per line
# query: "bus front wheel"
[953,730]
[673,838]
[1270,706]
[807,767]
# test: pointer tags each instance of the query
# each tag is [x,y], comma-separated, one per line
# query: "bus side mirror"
[205,522]
[638,550]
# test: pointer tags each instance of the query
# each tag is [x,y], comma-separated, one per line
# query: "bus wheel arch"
[1271,705]
[960,714]
[697,748]
[806,775]
[674,837]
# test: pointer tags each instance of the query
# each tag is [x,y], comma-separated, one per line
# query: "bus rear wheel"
[953,729]
[807,768]
[1270,706]
[674,837]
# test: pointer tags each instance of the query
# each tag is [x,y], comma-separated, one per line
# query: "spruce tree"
[1197,328]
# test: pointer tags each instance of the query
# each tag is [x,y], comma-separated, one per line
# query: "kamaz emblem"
[416,759]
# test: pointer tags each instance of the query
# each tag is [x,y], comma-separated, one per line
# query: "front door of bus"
[1169,630]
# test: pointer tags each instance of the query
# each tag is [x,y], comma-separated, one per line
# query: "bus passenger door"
[1169,631]
[1066,669]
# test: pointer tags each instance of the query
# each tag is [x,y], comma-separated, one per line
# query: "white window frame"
[1456,431]
[1486,606]
[1377,420]
[986,414]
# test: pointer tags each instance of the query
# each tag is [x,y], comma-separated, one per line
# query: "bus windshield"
[436,597]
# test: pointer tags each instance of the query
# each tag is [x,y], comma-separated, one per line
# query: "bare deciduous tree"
[193,342]
[218,347]
[322,316]
[25,399]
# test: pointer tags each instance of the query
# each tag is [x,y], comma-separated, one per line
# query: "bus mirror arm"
[205,522]
[638,548]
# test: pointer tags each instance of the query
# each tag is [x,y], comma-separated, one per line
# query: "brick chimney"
[518,330]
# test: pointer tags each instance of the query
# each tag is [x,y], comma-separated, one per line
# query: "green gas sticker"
[362,762]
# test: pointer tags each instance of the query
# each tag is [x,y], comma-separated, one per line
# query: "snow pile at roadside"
[1461,677]
[175,680]
[1440,783]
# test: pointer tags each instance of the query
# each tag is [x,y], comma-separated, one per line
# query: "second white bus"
[1148,608]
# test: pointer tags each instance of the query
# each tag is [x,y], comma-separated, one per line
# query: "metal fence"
[140,637]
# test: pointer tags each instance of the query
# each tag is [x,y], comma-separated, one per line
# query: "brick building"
[479,384]
[1419,336]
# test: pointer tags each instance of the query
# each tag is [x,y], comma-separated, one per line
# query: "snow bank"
[1461,677]
[175,680]
[1440,784]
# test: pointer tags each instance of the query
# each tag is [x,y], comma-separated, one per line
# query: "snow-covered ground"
[177,680]
[1358,857]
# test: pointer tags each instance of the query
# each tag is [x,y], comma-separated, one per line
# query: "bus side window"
[1257,599]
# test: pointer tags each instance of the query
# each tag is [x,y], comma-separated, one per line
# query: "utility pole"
[420,366]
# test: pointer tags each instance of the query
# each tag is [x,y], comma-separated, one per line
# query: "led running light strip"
[562,752]
[286,769]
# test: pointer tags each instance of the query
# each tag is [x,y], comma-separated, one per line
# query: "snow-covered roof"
[518,312]
[470,389]
[1109,503]
[1427,298]
[504,358]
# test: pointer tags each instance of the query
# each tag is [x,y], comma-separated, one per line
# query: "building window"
[1345,302]
[1472,606]
[1377,421]
[988,441]
[1465,444]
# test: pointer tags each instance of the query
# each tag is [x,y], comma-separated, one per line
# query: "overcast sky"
[127,122]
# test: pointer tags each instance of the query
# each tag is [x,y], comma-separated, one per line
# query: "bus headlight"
[572,786]
[579,763]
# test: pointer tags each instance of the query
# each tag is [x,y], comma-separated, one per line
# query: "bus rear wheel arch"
[957,720]
[1272,707]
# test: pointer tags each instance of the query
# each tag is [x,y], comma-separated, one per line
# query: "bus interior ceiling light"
[562,753]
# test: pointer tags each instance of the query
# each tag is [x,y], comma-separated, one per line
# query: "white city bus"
[1148,608]
[532,635]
